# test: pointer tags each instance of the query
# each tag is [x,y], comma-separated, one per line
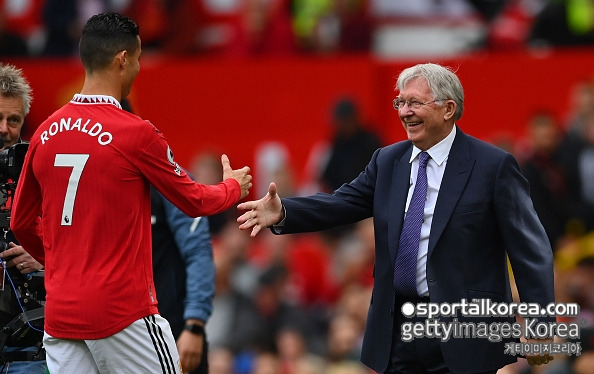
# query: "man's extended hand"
[242,176]
[262,213]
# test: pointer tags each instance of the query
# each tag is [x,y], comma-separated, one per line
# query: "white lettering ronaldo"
[103,137]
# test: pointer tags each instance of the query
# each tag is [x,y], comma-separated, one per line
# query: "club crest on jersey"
[177,169]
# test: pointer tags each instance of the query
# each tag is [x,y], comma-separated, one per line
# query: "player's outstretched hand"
[242,176]
[261,213]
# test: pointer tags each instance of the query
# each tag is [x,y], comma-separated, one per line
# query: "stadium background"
[235,105]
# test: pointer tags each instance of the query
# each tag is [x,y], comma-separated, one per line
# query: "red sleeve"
[157,164]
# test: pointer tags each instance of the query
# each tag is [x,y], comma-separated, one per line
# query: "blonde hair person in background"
[15,103]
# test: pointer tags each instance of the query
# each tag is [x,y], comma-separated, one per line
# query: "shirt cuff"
[279,226]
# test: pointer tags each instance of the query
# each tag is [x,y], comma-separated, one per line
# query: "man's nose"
[3,126]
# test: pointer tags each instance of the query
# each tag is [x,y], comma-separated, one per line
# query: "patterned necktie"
[405,269]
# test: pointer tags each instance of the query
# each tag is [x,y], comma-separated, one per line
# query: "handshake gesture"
[261,213]
[242,176]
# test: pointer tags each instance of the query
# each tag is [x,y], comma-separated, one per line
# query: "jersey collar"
[95,99]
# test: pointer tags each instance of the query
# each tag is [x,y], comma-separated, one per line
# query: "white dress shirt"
[435,169]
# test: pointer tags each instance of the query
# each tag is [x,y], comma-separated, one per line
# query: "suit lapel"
[458,169]
[397,200]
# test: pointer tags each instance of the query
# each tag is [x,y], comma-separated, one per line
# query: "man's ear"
[450,106]
[121,58]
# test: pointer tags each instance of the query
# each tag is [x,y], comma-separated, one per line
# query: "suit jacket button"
[391,312]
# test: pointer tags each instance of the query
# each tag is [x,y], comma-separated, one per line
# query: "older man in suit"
[448,210]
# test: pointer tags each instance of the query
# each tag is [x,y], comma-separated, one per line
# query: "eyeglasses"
[413,104]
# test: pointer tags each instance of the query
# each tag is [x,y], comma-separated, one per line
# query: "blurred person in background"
[259,319]
[311,281]
[293,354]
[11,44]
[353,302]
[575,286]
[306,257]
[449,211]
[184,276]
[264,363]
[220,361]
[356,26]
[315,25]
[571,150]
[28,357]
[581,106]
[265,29]
[273,162]
[577,283]
[577,161]
[509,27]
[351,148]
[332,26]
[548,182]
[62,26]
[23,20]
[354,257]
[344,340]
[225,28]
[563,23]
[235,281]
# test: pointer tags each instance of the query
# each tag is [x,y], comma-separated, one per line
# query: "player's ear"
[121,58]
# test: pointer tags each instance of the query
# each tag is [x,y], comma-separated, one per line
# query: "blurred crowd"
[557,158]
[294,303]
[280,27]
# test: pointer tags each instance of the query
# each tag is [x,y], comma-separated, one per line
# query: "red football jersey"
[87,174]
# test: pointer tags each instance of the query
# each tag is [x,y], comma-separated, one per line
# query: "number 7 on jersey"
[77,162]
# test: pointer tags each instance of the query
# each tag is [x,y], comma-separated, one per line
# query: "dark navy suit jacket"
[483,214]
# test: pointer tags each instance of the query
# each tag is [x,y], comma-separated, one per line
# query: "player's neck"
[100,85]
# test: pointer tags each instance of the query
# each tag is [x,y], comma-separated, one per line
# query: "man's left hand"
[538,359]
[190,348]
[21,259]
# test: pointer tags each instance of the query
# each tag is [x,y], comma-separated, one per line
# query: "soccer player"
[82,208]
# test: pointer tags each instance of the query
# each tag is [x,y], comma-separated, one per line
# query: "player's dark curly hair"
[105,35]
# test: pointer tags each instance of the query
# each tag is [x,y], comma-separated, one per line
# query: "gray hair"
[14,84]
[442,81]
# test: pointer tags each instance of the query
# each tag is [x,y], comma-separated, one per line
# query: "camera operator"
[15,102]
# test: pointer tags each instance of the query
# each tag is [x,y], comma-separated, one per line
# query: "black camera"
[11,160]
[22,296]
[11,165]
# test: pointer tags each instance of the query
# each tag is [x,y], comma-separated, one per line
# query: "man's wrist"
[280,224]
[195,326]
